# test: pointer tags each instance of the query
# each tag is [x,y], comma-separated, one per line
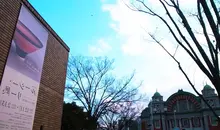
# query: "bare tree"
[92,83]
[182,30]
[120,116]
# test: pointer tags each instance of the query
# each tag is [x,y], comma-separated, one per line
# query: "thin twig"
[186,76]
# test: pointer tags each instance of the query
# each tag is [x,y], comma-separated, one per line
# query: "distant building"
[183,110]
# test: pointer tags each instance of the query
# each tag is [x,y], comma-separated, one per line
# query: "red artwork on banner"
[22,74]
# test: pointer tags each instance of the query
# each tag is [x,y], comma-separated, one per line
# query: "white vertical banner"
[21,78]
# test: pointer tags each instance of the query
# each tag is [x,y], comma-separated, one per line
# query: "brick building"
[183,110]
[51,88]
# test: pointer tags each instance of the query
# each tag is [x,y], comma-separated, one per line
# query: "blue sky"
[109,28]
[78,23]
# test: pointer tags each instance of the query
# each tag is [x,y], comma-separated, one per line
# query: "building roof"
[156,94]
[207,87]
[182,94]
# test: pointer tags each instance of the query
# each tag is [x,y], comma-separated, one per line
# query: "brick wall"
[51,92]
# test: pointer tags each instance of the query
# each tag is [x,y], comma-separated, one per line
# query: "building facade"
[49,102]
[181,110]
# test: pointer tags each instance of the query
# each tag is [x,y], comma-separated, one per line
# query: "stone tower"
[157,103]
[211,97]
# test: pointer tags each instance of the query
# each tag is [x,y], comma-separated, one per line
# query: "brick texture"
[51,92]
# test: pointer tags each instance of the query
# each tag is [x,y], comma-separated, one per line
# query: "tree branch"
[202,23]
[211,21]
[202,52]
[191,84]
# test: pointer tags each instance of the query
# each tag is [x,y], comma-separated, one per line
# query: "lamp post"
[164,110]
[154,111]
[161,121]
[152,118]
[174,118]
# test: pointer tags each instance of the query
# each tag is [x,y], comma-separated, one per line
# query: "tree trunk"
[91,123]
[216,83]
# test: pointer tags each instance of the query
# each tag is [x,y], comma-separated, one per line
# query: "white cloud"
[133,46]
[124,20]
[100,48]
[153,65]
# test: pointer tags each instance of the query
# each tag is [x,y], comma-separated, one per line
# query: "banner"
[21,78]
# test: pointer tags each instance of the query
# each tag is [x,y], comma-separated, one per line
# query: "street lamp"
[174,117]
[164,110]
[154,110]
[161,121]
[152,117]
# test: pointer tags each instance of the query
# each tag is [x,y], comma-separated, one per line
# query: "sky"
[109,28]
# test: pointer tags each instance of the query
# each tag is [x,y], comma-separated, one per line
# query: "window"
[177,122]
[168,124]
[157,123]
[196,122]
[191,106]
[211,102]
[174,107]
[148,124]
[185,123]
[157,108]
[214,121]
[183,106]
[172,123]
